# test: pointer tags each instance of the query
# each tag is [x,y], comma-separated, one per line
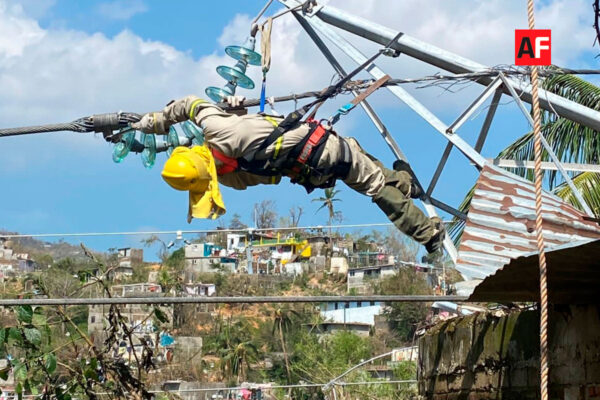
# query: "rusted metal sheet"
[573,277]
[501,223]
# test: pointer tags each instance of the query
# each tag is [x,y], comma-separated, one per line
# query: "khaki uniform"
[238,135]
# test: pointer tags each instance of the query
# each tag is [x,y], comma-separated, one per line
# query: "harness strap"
[230,164]
[288,123]
[346,108]
[315,138]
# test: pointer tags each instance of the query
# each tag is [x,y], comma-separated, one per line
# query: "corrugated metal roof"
[501,223]
[573,277]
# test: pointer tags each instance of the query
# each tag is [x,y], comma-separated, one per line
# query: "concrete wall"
[482,356]
[339,265]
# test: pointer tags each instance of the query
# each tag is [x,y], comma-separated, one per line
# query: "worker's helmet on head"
[186,170]
[194,170]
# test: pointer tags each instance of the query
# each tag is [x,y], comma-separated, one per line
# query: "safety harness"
[301,162]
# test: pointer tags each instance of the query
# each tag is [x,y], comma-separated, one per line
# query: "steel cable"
[105,123]
[108,122]
[41,129]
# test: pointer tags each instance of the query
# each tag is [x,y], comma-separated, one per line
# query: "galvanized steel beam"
[546,165]
[485,128]
[454,63]
[439,169]
[489,90]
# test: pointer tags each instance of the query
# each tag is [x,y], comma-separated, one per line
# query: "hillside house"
[360,278]
[206,257]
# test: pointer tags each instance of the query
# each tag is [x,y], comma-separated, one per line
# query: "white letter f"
[538,45]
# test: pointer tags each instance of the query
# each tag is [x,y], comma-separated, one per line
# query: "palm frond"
[588,184]
[570,141]
[456,226]
[320,208]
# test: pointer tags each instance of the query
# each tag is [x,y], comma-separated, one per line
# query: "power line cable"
[196,231]
[106,123]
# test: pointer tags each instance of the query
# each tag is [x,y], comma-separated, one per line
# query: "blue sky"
[60,60]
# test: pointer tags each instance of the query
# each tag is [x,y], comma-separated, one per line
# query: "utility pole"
[249,251]
[444,289]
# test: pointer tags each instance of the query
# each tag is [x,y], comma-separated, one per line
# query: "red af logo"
[533,47]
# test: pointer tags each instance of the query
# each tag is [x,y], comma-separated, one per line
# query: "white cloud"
[16,31]
[482,30]
[121,9]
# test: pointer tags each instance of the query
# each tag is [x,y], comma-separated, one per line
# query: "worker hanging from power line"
[252,149]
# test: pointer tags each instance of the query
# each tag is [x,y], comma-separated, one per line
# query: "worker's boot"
[416,192]
[437,240]
[407,217]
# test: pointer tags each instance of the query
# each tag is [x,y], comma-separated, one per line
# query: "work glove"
[153,122]
[235,101]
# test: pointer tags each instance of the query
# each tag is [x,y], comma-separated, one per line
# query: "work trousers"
[389,189]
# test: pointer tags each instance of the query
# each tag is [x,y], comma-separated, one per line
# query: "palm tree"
[232,342]
[328,202]
[570,141]
[236,360]
[282,321]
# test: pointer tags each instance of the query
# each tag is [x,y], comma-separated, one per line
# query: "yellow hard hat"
[186,170]
[194,170]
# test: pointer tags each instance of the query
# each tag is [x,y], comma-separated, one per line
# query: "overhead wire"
[193,231]
[113,121]
[261,12]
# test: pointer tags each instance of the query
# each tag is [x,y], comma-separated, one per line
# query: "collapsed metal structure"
[318,20]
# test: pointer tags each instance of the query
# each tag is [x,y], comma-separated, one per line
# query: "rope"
[265,44]
[265,47]
[228,300]
[538,220]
